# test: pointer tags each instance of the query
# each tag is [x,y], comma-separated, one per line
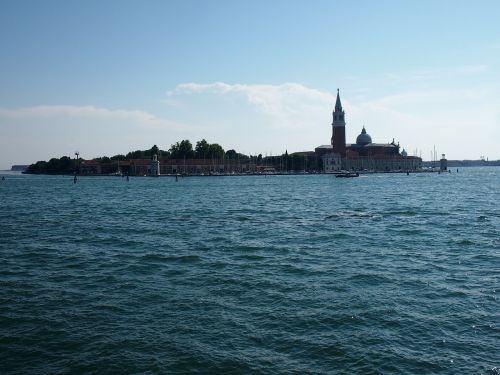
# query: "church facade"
[364,154]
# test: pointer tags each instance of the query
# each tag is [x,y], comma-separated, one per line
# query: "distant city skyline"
[110,77]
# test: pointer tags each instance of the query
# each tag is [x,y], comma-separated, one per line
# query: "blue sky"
[106,77]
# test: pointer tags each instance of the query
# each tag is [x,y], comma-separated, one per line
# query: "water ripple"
[293,274]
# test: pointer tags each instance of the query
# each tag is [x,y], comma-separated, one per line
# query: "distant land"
[465,163]
[203,158]
[451,163]
[19,167]
[427,164]
[66,165]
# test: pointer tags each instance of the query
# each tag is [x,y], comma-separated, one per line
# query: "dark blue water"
[382,274]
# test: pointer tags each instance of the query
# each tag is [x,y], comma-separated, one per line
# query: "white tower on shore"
[155,166]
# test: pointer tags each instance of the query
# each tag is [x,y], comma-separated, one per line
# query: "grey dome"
[363,139]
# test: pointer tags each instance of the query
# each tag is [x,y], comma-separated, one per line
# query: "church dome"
[363,139]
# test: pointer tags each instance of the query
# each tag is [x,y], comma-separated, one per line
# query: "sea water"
[381,274]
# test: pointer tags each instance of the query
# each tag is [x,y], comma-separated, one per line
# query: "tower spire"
[338,128]
[338,104]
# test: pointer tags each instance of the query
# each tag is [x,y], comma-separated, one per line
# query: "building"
[155,167]
[338,129]
[364,154]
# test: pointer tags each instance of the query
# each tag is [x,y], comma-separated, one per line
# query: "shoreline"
[181,175]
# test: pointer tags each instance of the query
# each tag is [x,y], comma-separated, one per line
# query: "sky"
[107,77]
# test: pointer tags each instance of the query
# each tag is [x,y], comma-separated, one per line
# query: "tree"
[154,151]
[201,149]
[164,155]
[147,154]
[181,150]
[231,154]
[138,154]
[103,159]
[215,151]
[64,165]
[175,150]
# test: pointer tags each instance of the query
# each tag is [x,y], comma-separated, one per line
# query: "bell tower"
[338,128]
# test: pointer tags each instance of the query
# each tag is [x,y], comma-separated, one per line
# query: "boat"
[347,174]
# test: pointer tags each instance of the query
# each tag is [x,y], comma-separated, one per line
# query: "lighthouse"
[338,128]
[155,166]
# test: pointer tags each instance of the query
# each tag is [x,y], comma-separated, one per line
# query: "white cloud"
[461,122]
[89,113]
[288,105]
[42,132]
[264,118]
[258,118]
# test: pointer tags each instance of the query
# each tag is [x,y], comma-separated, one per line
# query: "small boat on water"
[347,174]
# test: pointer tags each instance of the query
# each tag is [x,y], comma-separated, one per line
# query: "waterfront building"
[332,162]
[364,154]
[155,167]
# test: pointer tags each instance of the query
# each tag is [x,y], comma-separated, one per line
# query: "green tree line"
[179,150]
[184,150]
[63,165]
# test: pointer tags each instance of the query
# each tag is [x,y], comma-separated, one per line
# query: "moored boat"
[347,174]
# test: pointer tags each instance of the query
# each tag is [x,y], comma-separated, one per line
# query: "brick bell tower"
[338,128]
